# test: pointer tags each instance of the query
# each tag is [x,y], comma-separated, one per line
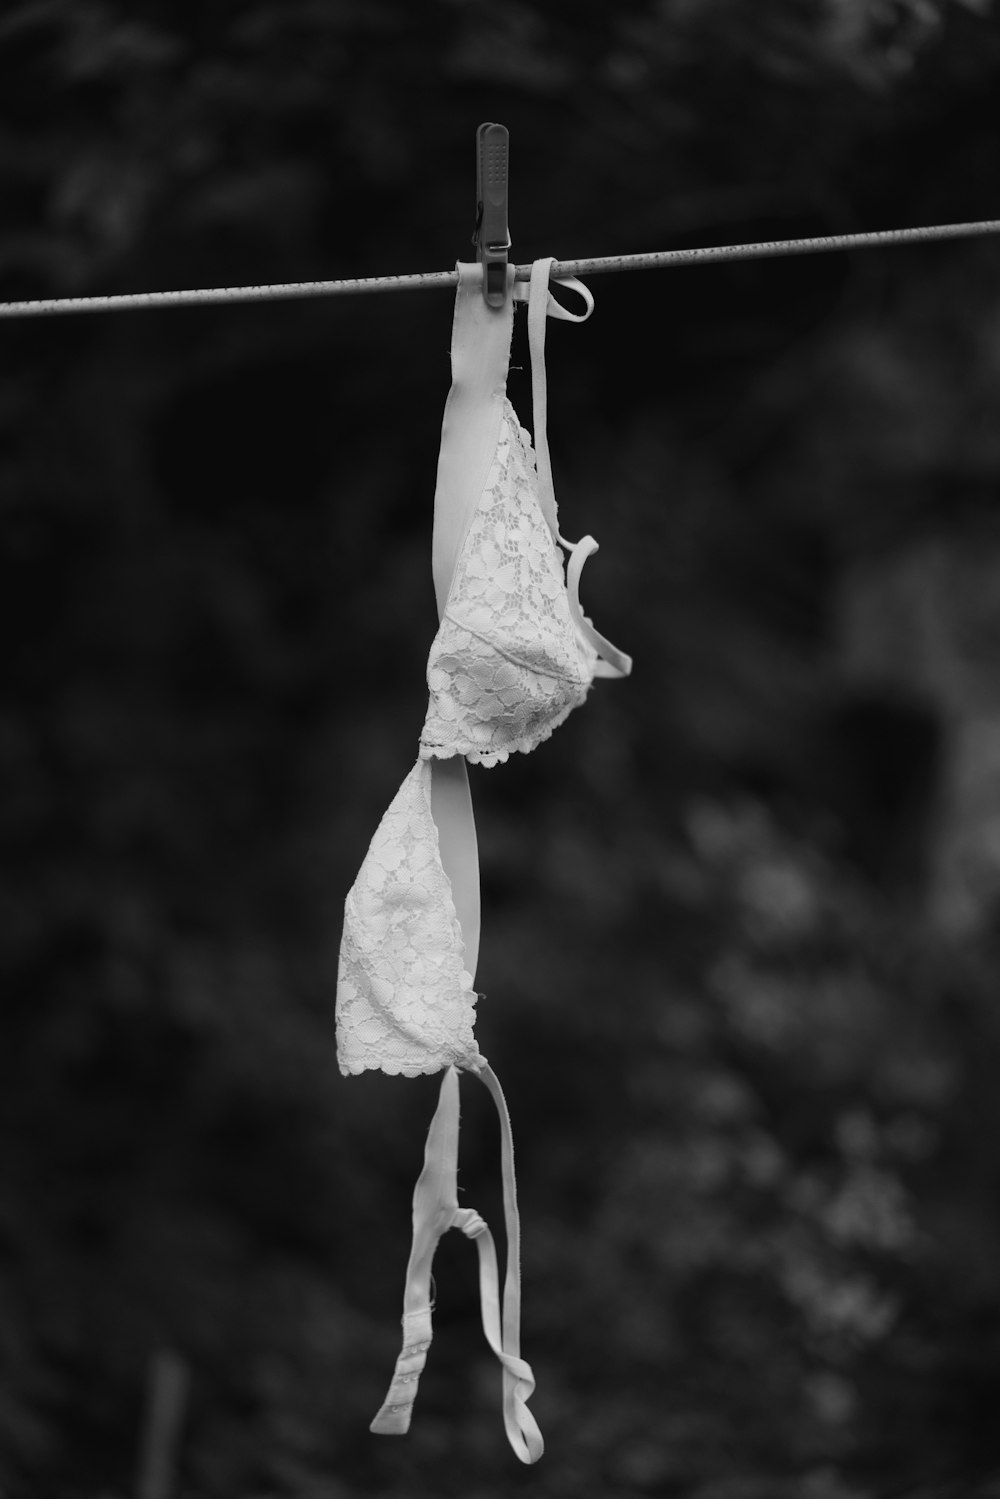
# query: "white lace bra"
[513,655]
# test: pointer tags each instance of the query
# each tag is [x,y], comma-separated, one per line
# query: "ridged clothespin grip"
[492,235]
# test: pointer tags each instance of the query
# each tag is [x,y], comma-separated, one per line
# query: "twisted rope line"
[424,280]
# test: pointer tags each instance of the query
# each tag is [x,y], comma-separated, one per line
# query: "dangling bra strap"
[435,1210]
[541,305]
[518,1380]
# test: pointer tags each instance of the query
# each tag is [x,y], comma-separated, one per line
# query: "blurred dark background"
[741,942]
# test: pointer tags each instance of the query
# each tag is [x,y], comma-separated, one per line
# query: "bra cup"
[507,664]
[405,1002]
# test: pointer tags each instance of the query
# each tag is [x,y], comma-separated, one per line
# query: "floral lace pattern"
[405,1002]
[507,664]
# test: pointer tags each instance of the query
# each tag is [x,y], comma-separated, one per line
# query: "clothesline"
[421,280]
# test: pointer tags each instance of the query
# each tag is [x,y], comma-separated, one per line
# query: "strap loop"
[553,308]
[539,300]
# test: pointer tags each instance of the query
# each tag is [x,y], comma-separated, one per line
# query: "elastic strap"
[435,1210]
[518,1380]
[480,355]
[435,1202]
[541,305]
[480,352]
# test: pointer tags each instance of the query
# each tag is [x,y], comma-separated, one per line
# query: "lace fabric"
[507,664]
[405,1002]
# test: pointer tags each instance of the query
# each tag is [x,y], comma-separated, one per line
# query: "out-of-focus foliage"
[740,915]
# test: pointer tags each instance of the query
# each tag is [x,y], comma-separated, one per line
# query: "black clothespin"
[492,236]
